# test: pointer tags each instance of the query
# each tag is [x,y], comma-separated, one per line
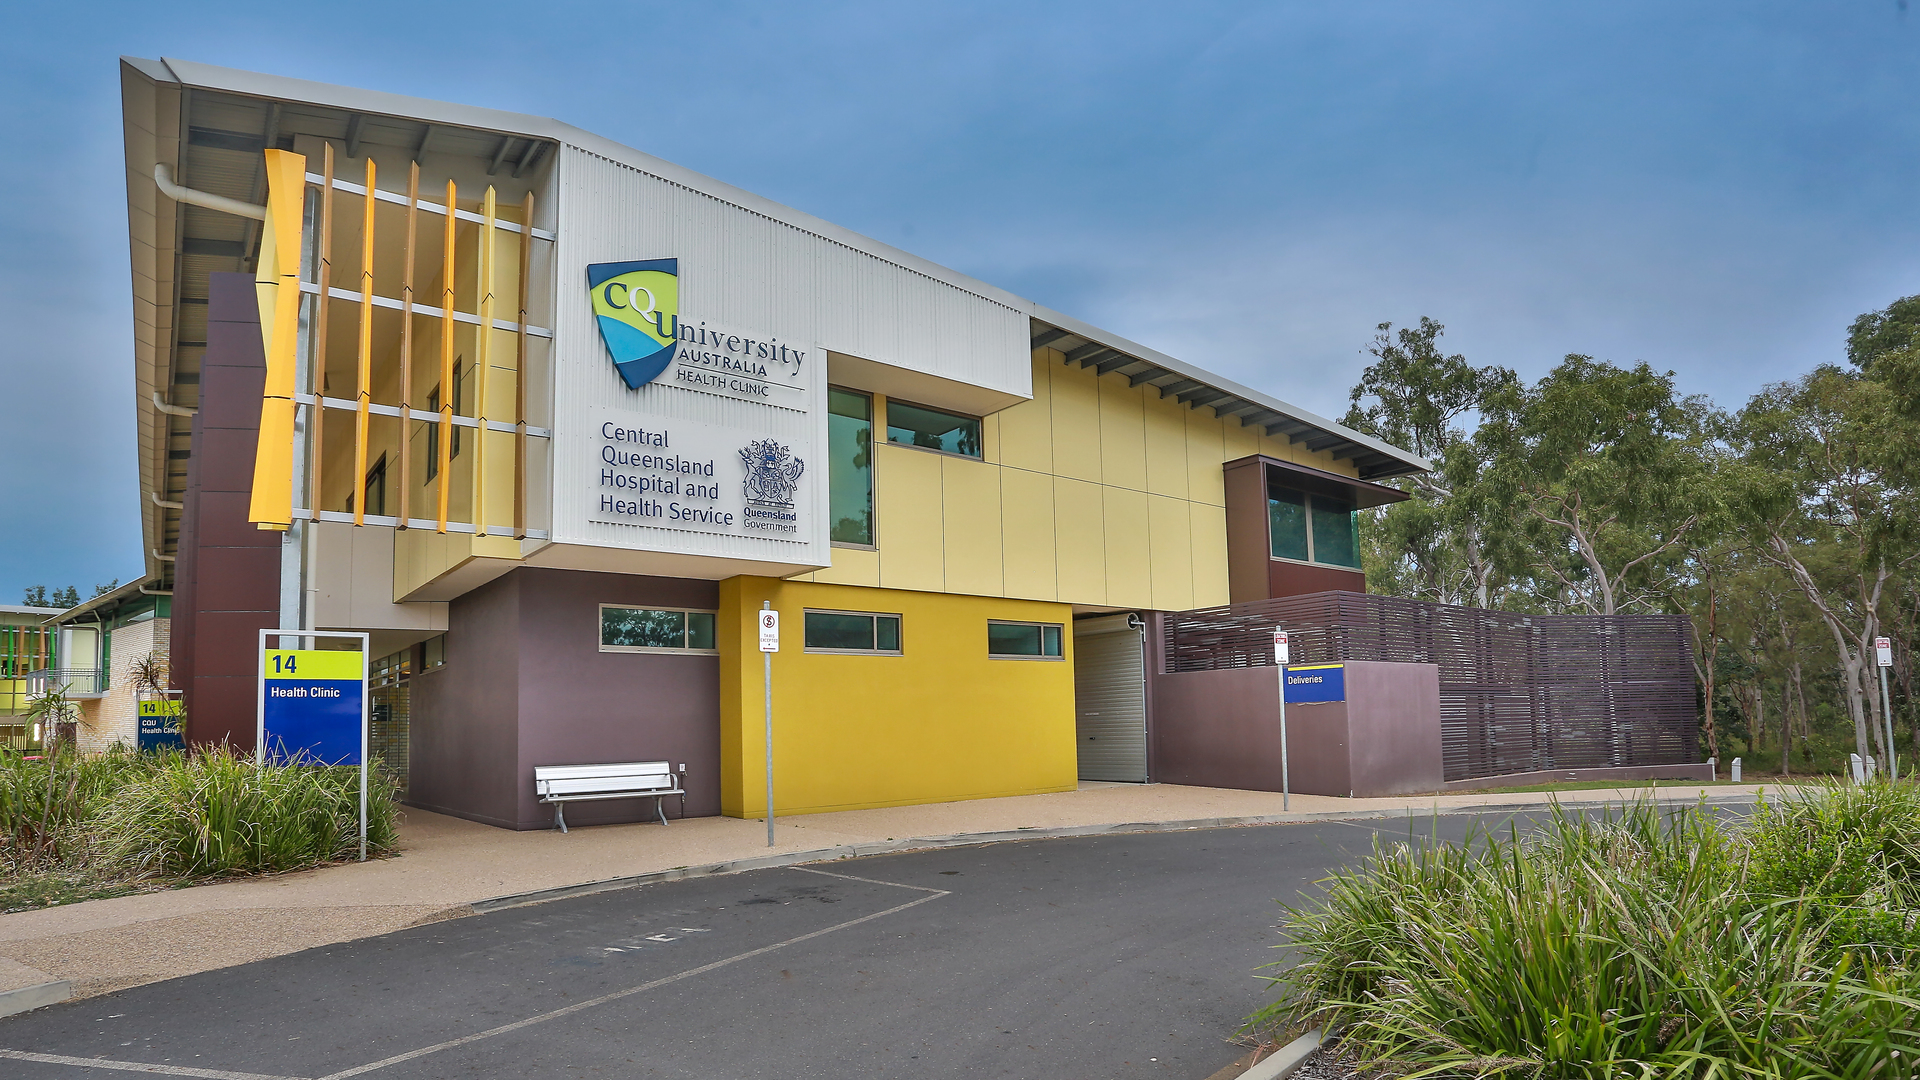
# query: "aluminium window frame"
[1306,508]
[899,618]
[876,418]
[599,624]
[1062,627]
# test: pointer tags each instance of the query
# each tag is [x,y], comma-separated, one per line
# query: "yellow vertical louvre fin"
[406,344]
[317,418]
[363,393]
[482,361]
[446,357]
[277,290]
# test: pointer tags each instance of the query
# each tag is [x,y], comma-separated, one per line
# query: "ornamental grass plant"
[127,815]
[1648,943]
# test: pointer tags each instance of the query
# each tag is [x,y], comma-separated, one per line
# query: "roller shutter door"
[1110,699]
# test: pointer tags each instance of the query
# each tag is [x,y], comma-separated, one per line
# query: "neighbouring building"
[552,420]
[98,645]
[27,644]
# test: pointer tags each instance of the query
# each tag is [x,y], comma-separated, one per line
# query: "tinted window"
[1287,523]
[915,425]
[850,465]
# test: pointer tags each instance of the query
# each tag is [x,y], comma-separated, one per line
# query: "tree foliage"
[1788,529]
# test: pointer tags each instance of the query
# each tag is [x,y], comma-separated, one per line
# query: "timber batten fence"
[1517,692]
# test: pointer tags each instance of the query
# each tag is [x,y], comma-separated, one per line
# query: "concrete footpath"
[448,868]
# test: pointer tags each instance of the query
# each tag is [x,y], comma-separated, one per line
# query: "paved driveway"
[1115,956]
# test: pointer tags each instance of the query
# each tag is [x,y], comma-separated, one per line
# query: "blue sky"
[1715,188]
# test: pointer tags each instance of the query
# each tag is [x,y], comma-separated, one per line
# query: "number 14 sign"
[313,706]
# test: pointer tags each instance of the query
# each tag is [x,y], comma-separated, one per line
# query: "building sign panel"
[699,477]
[1315,683]
[312,705]
[160,726]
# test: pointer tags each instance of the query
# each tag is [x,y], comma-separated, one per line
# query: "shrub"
[1624,946]
[132,814]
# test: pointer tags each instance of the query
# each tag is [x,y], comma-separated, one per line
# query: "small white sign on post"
[1280,647]
[1883,651]
[769,644]
[1280,661]
[769,631]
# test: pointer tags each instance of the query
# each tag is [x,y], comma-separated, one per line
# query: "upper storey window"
[1312,528]
[850,465]
[932,429]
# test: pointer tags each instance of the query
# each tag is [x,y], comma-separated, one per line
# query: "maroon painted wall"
[1221,728]
[227,572]
[525,684]
[1298,579]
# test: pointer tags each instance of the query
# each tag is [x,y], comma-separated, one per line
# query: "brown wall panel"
[1298,579]
[227,572]
[526,684]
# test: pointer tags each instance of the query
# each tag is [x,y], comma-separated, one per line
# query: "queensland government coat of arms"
[772,473]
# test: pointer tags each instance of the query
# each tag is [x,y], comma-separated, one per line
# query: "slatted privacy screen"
[1517,692]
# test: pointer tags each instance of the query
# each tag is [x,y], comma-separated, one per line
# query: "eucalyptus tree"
[1606,471]
[1416,397]
[1830,499]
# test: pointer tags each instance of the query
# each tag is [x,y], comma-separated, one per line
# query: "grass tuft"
[1639,944]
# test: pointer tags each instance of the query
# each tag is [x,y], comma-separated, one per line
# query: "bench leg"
[560,816]
[657,810]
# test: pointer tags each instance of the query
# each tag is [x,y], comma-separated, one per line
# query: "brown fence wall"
[1517,692]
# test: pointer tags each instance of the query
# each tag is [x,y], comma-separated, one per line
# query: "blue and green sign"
[1312,683]
[160,725]
[312,705]
[637,305]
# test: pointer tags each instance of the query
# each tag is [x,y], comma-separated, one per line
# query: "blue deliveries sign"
[160,726]
[312,703]
[1313,683]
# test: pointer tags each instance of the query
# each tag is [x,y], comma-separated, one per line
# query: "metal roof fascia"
[426,110]
[1094,333]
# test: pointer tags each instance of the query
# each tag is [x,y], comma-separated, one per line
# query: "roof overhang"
[1109,353]
[1319,481]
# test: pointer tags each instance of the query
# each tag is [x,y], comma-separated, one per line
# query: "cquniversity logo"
[638,307]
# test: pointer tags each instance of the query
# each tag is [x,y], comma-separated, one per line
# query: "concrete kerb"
[1285,1061]
[26,998]
[925,843]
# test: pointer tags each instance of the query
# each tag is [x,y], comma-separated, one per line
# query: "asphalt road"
[1116,956]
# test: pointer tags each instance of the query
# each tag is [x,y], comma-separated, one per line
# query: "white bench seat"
[562,784]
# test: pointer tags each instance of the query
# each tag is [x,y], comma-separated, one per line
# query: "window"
[1287,524]
[1023,641]
[626,629]
[376,489]
[916,425]
[433,434]
[433,653]
[852,632]
[850,465]
[1312,528]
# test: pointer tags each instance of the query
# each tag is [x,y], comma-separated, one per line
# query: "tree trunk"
[1786,731]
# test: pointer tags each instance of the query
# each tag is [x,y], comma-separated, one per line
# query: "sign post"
[769,644]
[312,707]
[1280,661]
[1883,658]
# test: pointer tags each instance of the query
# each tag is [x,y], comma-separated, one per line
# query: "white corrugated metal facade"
[743,269]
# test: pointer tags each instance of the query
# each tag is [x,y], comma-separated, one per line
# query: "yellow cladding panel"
[1241,440]
[1123,436]
[851,566]
[939,722]
[907,518]
[1129,563]
[1209,525]
[1026,436]
[1166,437]
[1076,422]
[971,493]
[1080,533]
[1026,518]
[1206,452]
[1170,536]
[277,291]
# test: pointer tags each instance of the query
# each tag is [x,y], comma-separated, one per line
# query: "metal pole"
[1286,784]
[766,668]
[366,643]
[1886,714]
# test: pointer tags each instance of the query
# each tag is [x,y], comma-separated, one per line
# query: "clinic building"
[553,419]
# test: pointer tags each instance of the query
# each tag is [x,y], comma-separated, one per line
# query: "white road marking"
[411,1055]
[137,1066]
